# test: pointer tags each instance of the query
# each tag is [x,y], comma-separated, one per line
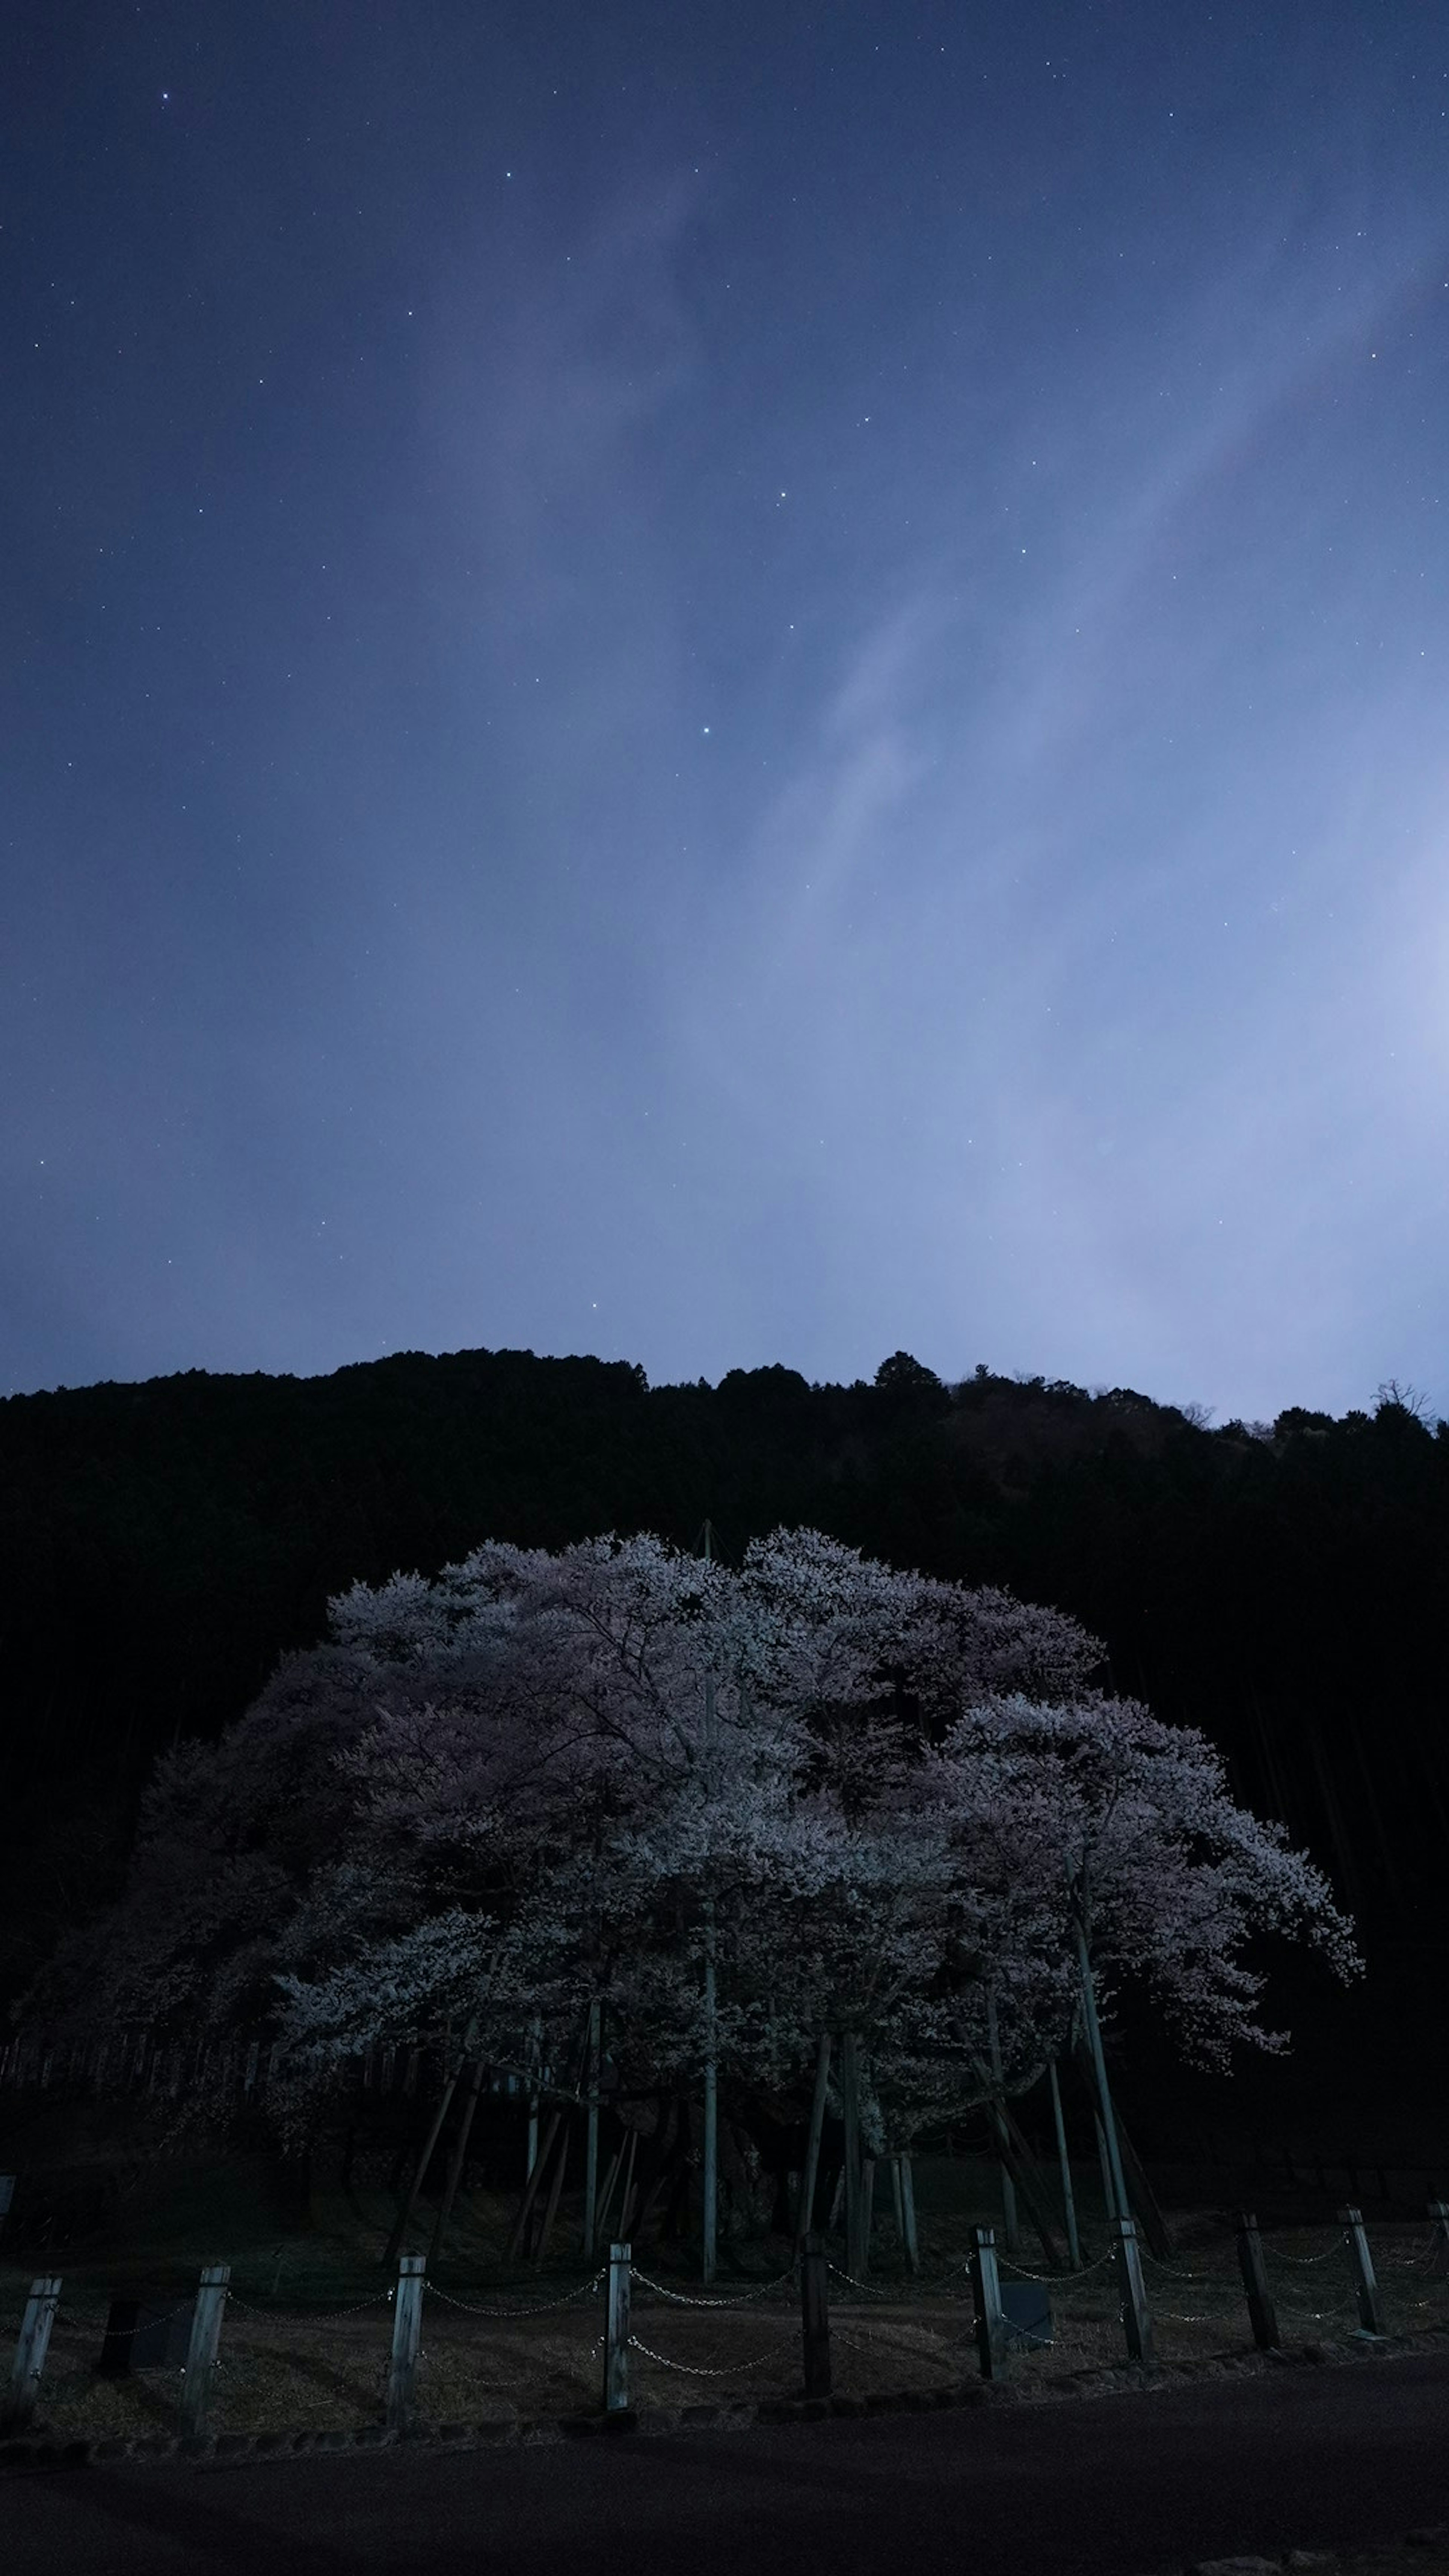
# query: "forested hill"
[1284,1587]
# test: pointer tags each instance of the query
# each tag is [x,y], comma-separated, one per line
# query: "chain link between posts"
[1302,2262]
[310,2316]
[577,2298]
[1047,2280]
[867,2289]
[741,2299]
[81,2317]
[1166,2271]
[1418,2258]
[697,2370]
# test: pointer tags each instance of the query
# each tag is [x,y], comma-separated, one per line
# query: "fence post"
[407,2318]
[991,2342]
[815,2317]
[1439,2212]
[1365,2286]
[31,2350]
[1136,2323]
[1261,2313]
[616,2331]
[201,2362]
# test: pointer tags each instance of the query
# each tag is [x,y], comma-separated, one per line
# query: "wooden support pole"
[815,2316]
[616,2331]
[1136,2322]
[805,2214]
[1015,2158]
[531,2187]
[1262,2315]
[201,2354]
[407,2318]
[1365,2284]
[535,2052]
[1142,2201]
[1439,2214]
[1109,2202]
[606,2196]
[555,2192]
[898,2203]
[1116,2180]
[1008,2187]
[626,2203]
[709,2177]
[457,2160]
[403,2220]
[1145,2203]
[591,2130]
[991,2337]
[1064,2163]
[28,2367]
[857,2220]
[908,2212]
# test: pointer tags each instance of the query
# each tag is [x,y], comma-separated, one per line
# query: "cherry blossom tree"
[744,1815]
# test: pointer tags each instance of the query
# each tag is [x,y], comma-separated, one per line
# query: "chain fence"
[530,2353]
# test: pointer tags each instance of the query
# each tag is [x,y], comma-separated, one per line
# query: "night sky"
[724,684]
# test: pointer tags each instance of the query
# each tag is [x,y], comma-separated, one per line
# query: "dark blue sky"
[724,684]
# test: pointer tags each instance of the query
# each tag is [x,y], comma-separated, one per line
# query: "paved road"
[1328,2458]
